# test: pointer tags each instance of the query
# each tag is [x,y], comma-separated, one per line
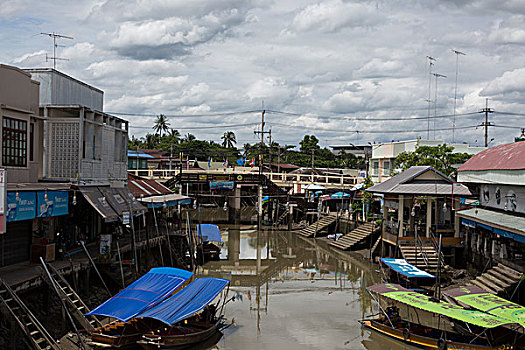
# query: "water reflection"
[292,292]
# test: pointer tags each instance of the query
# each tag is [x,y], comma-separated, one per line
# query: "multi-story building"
[34,210]
[384,154]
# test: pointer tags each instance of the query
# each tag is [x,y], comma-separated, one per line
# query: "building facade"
[381,164]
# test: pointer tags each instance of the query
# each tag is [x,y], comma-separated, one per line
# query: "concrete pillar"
[400,214]
[234,244]
[234,212]
[429,216]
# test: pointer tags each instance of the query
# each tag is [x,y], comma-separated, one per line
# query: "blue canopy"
[209,233]
[406,269]
[190,300]
[145,292]
[340,195]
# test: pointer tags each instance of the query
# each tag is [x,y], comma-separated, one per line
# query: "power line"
[184,115]
[382,131]
[200,127]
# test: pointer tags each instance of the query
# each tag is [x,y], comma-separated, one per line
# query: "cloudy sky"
[337,69]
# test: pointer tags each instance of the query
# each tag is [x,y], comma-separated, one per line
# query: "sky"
[347,71]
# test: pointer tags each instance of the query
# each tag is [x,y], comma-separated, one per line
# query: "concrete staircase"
[318,226]
[497,280]
[354,237]
[424,257]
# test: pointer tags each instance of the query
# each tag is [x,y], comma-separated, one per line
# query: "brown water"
[294,293]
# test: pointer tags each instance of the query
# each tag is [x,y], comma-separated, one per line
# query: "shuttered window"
[14,142]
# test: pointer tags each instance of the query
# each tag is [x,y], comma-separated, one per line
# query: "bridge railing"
[278,178]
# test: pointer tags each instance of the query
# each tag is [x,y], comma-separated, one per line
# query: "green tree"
[161,124]
[174,135]
[188,138]
[151,141]
[228,139]
[308,142]
[439,157]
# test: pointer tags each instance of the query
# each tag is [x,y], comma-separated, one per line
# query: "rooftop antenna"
[430,64]
[456,92]
[56,36]
[437,75]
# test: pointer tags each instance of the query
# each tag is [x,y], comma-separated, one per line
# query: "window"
[31,142]
[14,142]
[375,167]
[386,168]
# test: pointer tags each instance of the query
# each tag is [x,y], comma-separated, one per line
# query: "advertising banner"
[226,185]
[52,203]
[21,206]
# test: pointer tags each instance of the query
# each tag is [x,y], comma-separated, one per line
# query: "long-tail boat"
[189,317]
[439,325]
[145,292]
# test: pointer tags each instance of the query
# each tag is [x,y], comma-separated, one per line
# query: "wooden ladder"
[76,306]
[37,336]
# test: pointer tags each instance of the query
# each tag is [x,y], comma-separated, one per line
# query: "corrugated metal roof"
[402,184]
[145,187]
[504,157]
[496,219]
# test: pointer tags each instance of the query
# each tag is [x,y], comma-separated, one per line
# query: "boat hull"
[150,342]
[418,340]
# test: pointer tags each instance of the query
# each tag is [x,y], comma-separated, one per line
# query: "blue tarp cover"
[209,233]
[145,292]
[188,301]
[403,267]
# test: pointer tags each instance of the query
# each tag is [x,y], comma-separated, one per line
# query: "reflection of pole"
[120,263]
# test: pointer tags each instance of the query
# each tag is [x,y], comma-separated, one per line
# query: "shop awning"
[98,201]
[190,300]
[502,224]
[168,200]
[121,200]
[145,292]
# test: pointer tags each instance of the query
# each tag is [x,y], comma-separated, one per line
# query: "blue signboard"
[21,206]
[52,203]
[227,185]
[403,267]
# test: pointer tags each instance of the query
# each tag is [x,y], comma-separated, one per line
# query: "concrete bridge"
[246,175]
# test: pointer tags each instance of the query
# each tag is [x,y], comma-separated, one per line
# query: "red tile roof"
[504,157]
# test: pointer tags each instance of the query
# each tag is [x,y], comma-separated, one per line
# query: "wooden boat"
[209,247]
[421,337]
[180,336]
[150,289]
[448,326]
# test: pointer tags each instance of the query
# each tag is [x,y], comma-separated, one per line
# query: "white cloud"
[329,16]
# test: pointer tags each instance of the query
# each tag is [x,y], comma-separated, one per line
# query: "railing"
[279,178]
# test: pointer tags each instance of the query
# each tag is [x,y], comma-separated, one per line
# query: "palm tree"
[228,139]
[189,137]
[161,124]
[175,135]
[151,141]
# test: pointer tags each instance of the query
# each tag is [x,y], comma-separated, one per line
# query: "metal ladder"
[36,335]
[77,307]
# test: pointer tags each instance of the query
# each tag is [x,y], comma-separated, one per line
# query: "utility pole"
[455,93]
[262,132]
[270,147]
[430,64]
[437,75]
[312,150]
[55,36]
[486,124]
[279,159]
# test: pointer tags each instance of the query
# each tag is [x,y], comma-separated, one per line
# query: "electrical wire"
[200,127]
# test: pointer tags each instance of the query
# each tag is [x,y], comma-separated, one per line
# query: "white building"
[384,155]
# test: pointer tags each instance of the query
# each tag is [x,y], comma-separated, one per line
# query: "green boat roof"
[423,302]
[480,299]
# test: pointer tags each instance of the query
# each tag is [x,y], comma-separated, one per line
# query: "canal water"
[293,293]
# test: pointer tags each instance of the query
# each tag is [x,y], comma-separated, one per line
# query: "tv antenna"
[430,64]
[54,58]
